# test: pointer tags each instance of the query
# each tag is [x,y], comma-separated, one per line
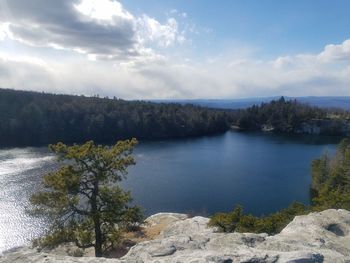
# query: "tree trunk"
[98,238]
[96,218]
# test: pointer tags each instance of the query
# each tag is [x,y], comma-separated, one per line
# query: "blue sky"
[176,49]
[274,27]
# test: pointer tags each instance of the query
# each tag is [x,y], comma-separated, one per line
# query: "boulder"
[317,237]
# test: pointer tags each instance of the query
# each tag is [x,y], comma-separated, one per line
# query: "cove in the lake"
[262,172]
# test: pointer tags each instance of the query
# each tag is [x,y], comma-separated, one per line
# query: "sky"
[176,49]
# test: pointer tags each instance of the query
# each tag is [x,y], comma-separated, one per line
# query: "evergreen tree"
[32,118]
[331,179]
[82,199]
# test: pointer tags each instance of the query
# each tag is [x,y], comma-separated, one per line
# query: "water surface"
[204,175]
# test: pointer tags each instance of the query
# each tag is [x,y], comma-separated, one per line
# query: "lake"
[262,172]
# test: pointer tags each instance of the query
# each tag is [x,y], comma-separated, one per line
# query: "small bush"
[271,224]
[330,188]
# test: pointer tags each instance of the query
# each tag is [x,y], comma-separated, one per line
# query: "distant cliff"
[317,237]
[325,127]
[294,117]
[336,127]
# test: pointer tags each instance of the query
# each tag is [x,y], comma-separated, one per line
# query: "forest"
[330,186]
[32,118]
[283,115]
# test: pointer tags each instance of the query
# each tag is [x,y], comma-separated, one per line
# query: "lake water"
[262,172]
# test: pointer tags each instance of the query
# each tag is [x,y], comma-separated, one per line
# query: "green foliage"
[227,222]
[83,200]
[282,115]
[271,224]
[330,188]
[331,179]
[31,118]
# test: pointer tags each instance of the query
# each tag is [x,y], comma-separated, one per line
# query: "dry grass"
[148,232]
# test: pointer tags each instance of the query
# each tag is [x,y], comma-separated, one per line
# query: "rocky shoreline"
[317,237]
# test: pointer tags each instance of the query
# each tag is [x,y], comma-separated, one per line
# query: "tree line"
[330,186]
[282,115]
[32,118]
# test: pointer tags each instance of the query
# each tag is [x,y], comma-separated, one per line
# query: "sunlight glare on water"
[204,175]
[20,175]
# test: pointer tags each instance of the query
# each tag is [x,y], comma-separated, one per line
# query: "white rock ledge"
[317,237]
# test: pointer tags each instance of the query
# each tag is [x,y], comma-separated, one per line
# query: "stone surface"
[317,237]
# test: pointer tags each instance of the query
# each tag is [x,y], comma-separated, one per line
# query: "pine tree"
[83,200]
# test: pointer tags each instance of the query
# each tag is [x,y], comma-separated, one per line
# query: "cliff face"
[337,127]
[326,127]
[317,237]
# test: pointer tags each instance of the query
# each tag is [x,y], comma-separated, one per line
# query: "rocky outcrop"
[317,237]
[325,127]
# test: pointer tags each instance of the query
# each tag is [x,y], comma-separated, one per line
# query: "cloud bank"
[113,52]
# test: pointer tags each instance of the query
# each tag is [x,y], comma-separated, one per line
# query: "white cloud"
[284,61]
[164,77]
[336,52]
[164,35]
[23,59]
[103,10]
[101,29]
[24,73]
[128,58]
[4,31]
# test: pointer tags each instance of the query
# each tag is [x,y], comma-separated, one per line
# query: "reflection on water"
[262,172]
[20,174]
[203,175]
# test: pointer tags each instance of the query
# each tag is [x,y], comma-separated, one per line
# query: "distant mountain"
[323,102]
[327,102]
